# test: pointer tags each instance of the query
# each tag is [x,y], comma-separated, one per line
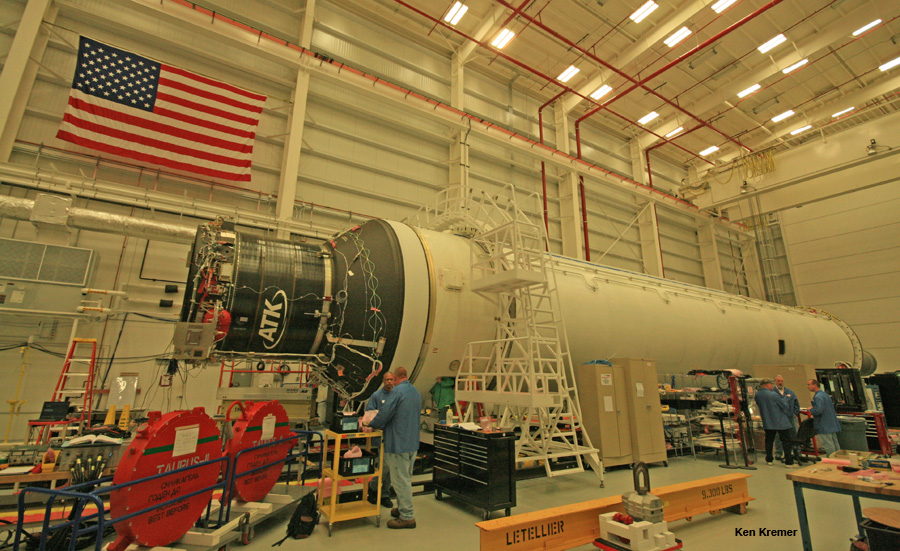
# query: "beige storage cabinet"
[647,436]
[795,377]
[604,409]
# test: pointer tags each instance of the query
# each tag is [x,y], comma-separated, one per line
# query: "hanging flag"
[127,105]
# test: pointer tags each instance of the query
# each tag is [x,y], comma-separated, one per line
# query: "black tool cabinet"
[477,468]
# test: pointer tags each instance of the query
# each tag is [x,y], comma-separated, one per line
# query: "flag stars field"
[130,106]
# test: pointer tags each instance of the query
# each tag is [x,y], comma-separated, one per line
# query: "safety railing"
[89,493]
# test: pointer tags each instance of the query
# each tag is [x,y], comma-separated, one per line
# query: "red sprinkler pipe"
[683,56]
[651,148]
[512,60]
[631,79]
[543,168]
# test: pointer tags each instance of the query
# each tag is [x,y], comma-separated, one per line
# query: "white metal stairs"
[524,375]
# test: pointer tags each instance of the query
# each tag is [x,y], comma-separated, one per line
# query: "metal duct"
[133,227]
[17,208]
[54,182]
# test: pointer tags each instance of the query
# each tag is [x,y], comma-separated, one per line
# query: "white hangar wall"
[839,208]
[364,153]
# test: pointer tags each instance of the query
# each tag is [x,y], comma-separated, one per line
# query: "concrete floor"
[449,525]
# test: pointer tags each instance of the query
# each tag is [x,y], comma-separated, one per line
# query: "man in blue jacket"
[775,411]
[400,418]
[375,402]
[824,418]
[795,409]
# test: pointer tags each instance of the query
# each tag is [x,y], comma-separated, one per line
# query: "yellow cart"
[334,461]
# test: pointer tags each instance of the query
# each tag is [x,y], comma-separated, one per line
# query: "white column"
[457,81]
[651,252]
[709,255]
[18,74]
[569,199]
[290,161]
[638,166]
[750,256]
[459,150]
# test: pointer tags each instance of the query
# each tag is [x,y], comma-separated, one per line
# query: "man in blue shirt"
[400,417]
[775,411]
[795,409]
[376,401]
[824,418]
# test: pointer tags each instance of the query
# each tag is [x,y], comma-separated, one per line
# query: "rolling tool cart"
[475,467]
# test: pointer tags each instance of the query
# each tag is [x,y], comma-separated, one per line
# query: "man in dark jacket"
[375,402]
[775,411]
[795,409]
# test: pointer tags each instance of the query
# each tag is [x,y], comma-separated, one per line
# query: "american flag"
[130,106]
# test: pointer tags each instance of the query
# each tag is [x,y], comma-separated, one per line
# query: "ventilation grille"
[48,263]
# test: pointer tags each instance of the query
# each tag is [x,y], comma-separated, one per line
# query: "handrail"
[82,495]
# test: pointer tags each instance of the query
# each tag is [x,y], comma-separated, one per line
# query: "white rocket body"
[607,313]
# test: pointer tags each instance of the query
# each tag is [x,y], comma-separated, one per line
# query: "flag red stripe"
[211,82]
[163,112]
[157,127]
[209,95]
[152,142]
[250,121]
[187,167]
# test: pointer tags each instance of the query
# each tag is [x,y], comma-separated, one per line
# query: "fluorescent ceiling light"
[568,73]
[781,117]
[643,11]
[648,117]
[749,91]
[890,64]
[772,43]
[722,5]
[844,112]
[456,12]
[795,66]
[799,130]
[675,132]
[602,91]
[679,35]
[861,30]
[503,39]
[708,150]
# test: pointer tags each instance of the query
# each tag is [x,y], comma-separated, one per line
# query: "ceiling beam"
[659,33]
[819,41]
[489,26]
[858,99]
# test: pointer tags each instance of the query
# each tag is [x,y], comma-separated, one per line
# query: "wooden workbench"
[829,478]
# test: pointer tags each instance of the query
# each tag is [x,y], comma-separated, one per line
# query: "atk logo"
[271,327]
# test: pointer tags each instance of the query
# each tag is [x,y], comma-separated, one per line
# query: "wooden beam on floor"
[577,524]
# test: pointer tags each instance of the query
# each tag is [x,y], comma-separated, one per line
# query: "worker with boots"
[400,418]
[775,411]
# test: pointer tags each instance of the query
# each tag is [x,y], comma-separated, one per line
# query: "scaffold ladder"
[524,375]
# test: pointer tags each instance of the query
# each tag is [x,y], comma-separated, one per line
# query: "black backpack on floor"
[304,519]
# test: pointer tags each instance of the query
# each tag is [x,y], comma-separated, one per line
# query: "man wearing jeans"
[400,418]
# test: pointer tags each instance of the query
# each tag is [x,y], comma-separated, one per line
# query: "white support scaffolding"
[524,375]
